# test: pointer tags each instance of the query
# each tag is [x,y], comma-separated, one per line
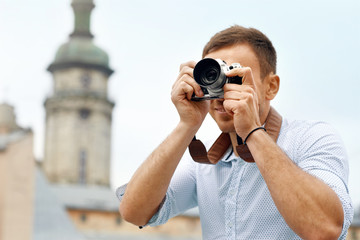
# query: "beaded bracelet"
[252,132]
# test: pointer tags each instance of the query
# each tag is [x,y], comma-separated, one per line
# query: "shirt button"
[232,192]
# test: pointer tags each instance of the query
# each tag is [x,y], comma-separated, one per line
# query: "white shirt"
[233,199]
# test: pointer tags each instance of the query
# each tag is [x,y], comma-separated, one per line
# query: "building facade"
[16,177]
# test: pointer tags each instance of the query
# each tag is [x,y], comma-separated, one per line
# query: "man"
[295,188]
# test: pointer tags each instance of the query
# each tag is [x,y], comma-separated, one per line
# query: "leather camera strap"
[221,145]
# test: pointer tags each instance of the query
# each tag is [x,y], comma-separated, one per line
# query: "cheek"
[261,98]
[225,124]
[260,92]
[212,112]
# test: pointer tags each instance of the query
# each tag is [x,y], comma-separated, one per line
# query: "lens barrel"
[208,73]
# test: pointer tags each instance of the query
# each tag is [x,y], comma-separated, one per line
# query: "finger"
[187,90]
[181,89]
[238,96]
[230,106]
[238,92]
[245,73]
[230,87]
[247,96]
[190,64]
[190,81]
[195,85]
[186,70]
[234,107]
[186,87]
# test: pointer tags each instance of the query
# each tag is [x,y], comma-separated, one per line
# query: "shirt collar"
[229,155]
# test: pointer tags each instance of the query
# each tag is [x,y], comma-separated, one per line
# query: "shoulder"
[306,127]
[304,132]
[303,138]
[315,144]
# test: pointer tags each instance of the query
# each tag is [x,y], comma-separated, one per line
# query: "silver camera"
[209,73]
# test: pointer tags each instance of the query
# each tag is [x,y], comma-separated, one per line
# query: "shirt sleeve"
[180,196]
[323,155]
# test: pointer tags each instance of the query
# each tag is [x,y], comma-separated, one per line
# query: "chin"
[227,130]
[225,123]
[226,127]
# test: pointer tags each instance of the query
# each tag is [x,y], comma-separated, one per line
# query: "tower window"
[118,220]
[85,80]
[84,113]
[83,217]
[82,167]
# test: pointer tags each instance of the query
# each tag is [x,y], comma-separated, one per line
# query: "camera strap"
[221,145]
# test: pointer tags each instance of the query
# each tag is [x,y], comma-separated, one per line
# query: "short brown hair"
[261,45]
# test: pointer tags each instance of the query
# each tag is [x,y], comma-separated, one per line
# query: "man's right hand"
[192,113]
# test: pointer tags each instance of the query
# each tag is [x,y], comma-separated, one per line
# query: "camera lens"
[210,76]
[207,72]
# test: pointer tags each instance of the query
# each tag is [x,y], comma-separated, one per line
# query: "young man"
[295,188]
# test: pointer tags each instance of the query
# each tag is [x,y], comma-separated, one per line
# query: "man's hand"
[241,101]
[191,113]
[147,188]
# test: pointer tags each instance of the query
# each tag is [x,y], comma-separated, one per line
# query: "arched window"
[84,113]
[83,217]
[85,80]
[82,167]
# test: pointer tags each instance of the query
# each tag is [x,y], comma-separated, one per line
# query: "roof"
[50,217]
[86,197]
[137,237]
[356,220]
[81,52]
[14,136]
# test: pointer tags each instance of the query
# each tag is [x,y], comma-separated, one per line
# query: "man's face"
[243,54]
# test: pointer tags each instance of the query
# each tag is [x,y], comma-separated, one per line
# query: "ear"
[272,86]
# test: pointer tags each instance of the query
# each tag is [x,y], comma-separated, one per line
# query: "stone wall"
[112,223]
[78,129]
[17,168]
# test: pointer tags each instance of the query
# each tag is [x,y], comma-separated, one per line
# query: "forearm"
[308,205]
[149,184]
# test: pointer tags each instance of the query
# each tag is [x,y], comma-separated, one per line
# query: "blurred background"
[126,59]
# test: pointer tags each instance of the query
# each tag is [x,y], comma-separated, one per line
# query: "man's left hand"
[241,101]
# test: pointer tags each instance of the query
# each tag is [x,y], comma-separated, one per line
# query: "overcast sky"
[318,46]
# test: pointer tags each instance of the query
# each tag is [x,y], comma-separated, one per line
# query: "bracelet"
[252,132]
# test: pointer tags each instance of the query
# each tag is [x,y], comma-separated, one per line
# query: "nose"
[219,101]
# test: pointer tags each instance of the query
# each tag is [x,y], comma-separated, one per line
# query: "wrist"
[253,132]
[255,135]
[190,128]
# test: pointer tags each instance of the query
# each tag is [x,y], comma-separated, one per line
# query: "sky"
[317,43]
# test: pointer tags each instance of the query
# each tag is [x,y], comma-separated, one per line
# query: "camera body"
[209,73]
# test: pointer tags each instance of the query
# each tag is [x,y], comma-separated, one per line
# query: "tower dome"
[80,51]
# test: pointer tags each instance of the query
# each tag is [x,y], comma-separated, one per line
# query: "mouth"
[220,109]
[218,106]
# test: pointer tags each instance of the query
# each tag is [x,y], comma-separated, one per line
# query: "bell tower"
[79,113]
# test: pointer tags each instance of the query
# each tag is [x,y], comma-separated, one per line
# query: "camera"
[209,73]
